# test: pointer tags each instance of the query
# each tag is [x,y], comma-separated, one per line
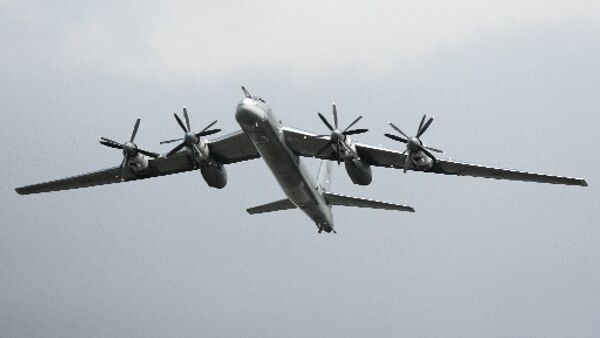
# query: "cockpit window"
[260,99]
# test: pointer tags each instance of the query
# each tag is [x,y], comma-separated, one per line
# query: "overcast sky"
[511,84]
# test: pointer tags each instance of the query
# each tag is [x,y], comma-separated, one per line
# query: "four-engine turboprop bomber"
[262,135]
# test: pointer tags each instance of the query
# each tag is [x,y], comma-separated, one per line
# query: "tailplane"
[348,201]
[284,204]
[323,185]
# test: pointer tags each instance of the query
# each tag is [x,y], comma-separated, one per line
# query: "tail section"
[331,199]
[348,201]
[324,185]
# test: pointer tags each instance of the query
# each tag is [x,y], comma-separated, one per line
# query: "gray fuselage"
[265,131]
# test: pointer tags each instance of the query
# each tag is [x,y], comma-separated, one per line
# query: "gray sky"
[511,84]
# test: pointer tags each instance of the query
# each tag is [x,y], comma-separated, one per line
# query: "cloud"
[201,38]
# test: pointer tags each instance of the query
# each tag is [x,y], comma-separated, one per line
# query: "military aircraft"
[262,135]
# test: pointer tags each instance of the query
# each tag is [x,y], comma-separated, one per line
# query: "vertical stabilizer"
[324,176]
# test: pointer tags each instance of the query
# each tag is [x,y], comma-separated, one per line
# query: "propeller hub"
[337,135]
[190,138]
[413,143]
[130,149]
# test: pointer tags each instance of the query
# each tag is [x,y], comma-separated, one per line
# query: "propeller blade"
[246,92]
[171,141]
[210,125]
[180,123]
[208,132]
[407,162]
[397,129]
[323,148]
[355,131]
[174,150]
[187,119]
[339,153]
[425,126]
[335,116]
[148,153]
[325,121]
[111,145]
[396,138]
[434,149]
[122,166]
[135,130]
[427,153]
[353,122]
[105,140]
[421,124]
[196,151]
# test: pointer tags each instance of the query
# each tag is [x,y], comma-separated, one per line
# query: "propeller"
[338,136]
[414,143]
[190,139]
[129,148]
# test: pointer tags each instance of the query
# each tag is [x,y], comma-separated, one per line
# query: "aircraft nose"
[248,113]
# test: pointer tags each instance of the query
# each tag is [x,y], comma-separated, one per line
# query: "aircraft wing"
[308,144]
[231,148]
[156,167]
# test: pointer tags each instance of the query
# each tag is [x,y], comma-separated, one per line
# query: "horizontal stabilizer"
[348,201]
[284,204]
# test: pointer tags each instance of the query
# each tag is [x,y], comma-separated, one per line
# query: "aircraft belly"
[290,174]
[284,166]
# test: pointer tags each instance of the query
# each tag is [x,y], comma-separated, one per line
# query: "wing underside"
[156,167]
[309,145]
[232,148]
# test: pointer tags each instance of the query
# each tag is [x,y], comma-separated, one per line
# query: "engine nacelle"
[138,163]
[421,160]
[359,171]
[214,174]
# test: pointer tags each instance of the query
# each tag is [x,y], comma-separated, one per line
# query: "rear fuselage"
[265,131]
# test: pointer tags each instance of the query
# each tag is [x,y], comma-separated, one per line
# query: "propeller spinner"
[338,136]
[190,139]
[129,148]
[414,143]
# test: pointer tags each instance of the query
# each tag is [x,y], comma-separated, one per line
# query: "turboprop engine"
[212,171]
[358,170]
[338,138]
[418,156]
[214,174]
[134,157]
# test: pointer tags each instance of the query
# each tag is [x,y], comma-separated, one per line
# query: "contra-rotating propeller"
[414,143]
[190,139]
[129,148]
[338,136]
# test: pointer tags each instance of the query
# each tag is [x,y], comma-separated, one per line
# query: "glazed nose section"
[248,113]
